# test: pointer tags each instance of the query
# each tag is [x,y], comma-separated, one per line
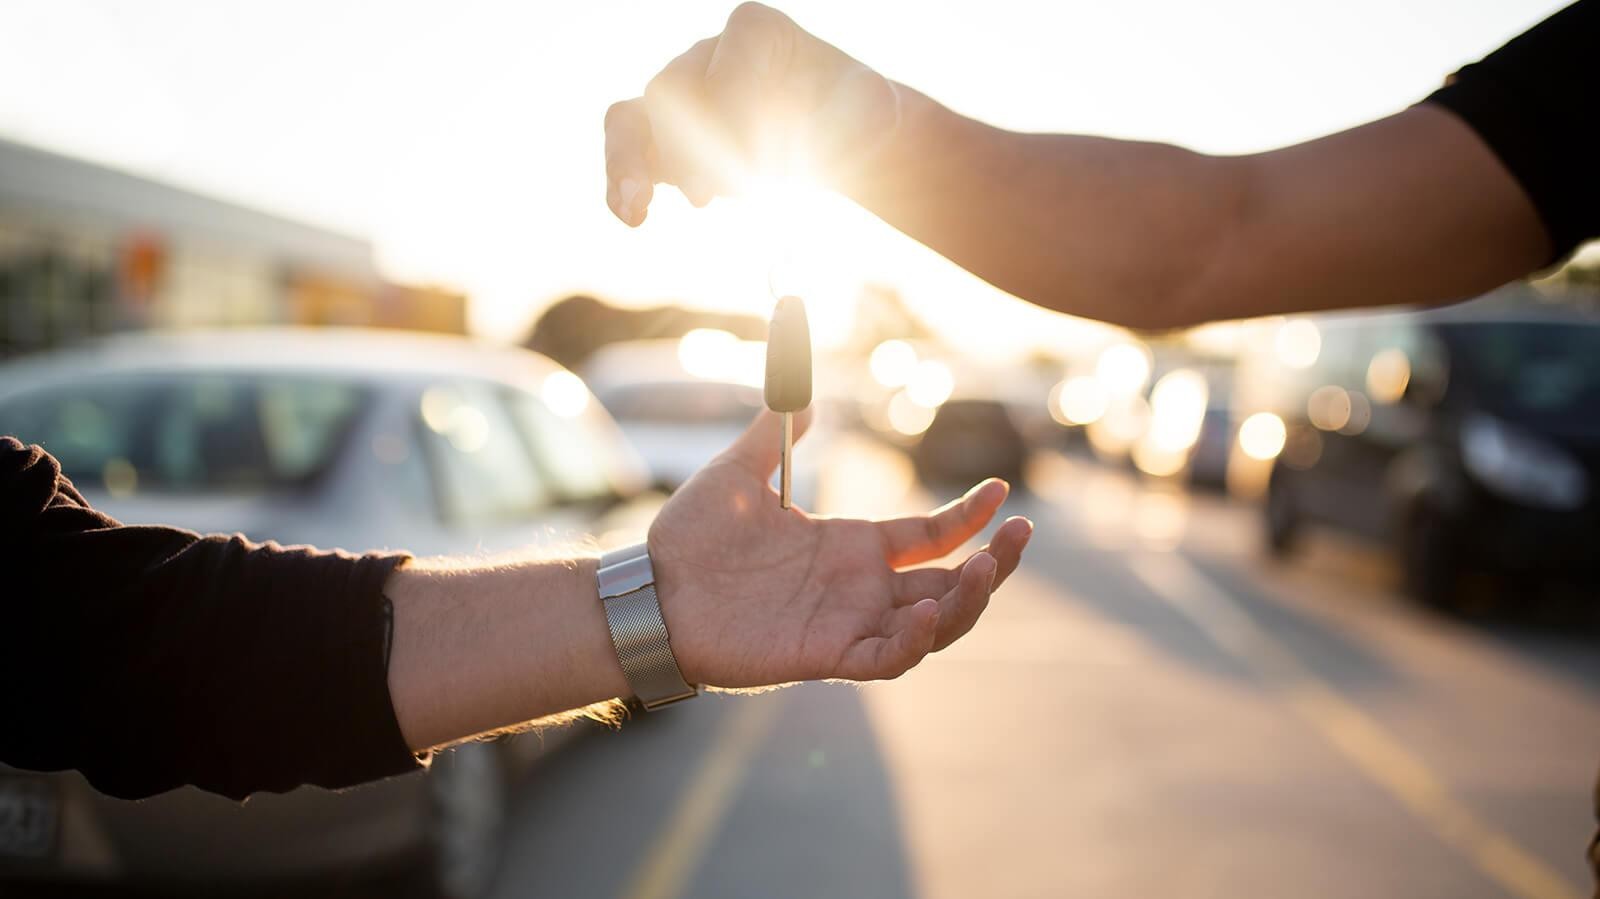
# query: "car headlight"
[1520,466]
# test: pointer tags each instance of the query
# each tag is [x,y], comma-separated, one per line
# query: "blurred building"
[86,249]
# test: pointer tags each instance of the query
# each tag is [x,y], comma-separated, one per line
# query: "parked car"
[1466,439]
[678,421]
[335,438]
[969,440]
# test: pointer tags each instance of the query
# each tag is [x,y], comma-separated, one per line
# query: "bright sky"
[465,137]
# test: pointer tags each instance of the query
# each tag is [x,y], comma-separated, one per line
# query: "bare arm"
[1411,208]
[752,595]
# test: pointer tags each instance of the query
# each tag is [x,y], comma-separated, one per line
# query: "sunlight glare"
[931,384]
[565,394]
[892,363]
[1123,368]
[1177,410]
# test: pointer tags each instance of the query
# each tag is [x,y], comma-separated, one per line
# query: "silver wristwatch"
[628,591]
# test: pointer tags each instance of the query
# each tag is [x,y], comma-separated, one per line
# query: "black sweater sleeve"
[150,657]
[1534,103]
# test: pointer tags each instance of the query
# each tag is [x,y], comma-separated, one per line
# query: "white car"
[336,438]
[679,421]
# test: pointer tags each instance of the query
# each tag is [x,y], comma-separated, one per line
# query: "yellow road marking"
[684,839]
[1360,738]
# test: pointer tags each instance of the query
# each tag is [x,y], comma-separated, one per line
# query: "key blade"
[785,463]
[788,387]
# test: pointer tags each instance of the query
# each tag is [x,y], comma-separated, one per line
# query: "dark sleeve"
[150,658]
[1534,103]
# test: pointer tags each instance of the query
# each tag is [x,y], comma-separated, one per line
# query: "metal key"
[788,375]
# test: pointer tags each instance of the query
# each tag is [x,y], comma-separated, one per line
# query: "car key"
[788,387]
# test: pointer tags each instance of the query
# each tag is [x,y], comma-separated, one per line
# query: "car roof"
[1481,312]
[358,354]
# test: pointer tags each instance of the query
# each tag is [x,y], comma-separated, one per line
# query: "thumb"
[760,447]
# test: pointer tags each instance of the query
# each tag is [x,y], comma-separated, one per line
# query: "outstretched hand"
[754,594]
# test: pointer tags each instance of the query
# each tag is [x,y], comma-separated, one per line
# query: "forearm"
[478,648]
[1108,229]
[1413,208]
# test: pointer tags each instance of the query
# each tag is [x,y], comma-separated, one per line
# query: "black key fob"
[788,357]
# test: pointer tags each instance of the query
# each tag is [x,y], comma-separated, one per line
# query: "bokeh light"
[908,416]
[931,383]
[1079,400]
[1177,410]
[1298,343]
[1328,407]
[706,352]
[892,363]
[1262,436]
[1388,374]
[565,394]
[1123,368]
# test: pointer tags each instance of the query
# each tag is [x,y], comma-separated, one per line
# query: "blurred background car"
[681,402]
[336,438]
[969,440]
[1468,440]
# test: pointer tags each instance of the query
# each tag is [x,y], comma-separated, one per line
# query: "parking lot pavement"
[1148,706]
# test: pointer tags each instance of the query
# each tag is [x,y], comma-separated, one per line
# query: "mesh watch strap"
[628,592]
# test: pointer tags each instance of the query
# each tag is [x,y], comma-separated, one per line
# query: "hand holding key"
[755,595]
[788,387]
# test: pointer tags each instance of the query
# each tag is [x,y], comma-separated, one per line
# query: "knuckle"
[657,88]
[750,13]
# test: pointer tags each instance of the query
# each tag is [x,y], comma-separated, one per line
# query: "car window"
[1542,373]
[188,431]
[483,469]
[574,457]
[684,404]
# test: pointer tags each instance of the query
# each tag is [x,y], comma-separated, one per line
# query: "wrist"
[872,157]
[671,584]
[629,588]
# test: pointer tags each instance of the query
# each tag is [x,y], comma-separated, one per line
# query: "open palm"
[754,594]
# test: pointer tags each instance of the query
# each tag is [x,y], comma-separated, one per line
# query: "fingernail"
[984,564]
[627,192]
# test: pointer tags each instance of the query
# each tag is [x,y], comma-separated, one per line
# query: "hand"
[745,98]
[754,595]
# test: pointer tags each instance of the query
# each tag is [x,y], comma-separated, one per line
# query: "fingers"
[907,641]
[957,610]
[1007,546]
[908,541]
[760,447]
[687,148]
[960,607]
[739,80]
[629,146]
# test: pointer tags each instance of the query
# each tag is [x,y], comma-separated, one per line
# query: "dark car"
[968,440]
[1467,440]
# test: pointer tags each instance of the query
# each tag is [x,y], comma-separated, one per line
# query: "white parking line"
[1377,754]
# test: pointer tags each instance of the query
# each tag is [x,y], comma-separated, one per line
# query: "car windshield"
[1540,373]
[191,432]
[685,403]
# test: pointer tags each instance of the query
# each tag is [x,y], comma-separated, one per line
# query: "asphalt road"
[1149,708]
